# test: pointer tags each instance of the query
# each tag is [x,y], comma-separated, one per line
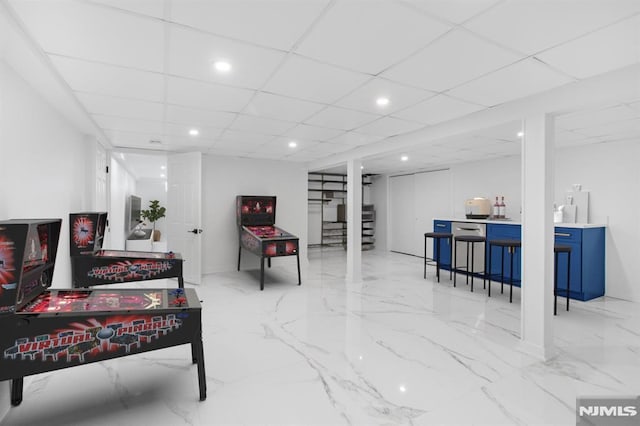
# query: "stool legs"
[455,260]
[487,269]
[425,257]
[511,276]
[472,257]
[568,278]
[555,285]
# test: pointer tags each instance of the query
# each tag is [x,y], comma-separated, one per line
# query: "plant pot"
[156,235]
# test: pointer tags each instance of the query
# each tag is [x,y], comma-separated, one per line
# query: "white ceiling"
[311,70]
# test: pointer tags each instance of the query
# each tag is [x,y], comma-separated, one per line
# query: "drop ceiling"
[311,71]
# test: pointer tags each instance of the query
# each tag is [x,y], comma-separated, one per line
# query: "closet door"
[402,214]
[432,194]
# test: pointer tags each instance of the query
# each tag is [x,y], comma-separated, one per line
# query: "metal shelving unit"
[329,190]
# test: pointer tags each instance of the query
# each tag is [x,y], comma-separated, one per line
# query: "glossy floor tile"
[393,350]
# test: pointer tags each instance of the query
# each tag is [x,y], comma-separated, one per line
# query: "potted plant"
[154,213]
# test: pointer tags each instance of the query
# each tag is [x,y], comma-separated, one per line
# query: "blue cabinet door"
[445,246]
[504,232]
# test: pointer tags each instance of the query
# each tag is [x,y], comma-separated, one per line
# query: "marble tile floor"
[393,350]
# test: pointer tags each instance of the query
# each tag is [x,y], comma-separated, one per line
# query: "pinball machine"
[91,265]
[256,217]
[49,329]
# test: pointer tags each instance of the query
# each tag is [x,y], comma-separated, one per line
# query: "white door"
[402,213]
[184,212]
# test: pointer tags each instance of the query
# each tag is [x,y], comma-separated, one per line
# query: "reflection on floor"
[393,350]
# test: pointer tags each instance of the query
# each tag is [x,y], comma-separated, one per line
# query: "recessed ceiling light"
[121,156]
[194,132]
[163,167]
[361,167]
[520,134]
[382,101]
[222,66]
[404,158]
[163,175]
[292,144]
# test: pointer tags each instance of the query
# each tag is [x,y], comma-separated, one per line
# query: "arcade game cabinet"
[256,216]
[45,330]
[90,265]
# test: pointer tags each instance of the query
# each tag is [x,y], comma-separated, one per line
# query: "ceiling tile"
[181,131]
[281,107]
[437,109]
[108,80]
[532,26]
[389,126]
[386,33]
[193,54]
[314,133]
[245,138]
[280,146]
[400,96]
[313,81]
[87,31]
[152,8]
[522,79]
[328,148]
[341,118]
[127,125]
[228,152]
[278,24]
[192,93]
[455,58]
[615,130]
[456,11]
[200,117]
[267,126]
[597,117]
[356,139]
[109,105]
[596,53]
[121,138]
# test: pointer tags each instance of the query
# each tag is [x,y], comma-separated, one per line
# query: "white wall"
[43,169]
[153,189]
[223,179]
[379,193]
[123,184]
[611,173]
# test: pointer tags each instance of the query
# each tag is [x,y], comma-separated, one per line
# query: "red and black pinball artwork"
[82,231]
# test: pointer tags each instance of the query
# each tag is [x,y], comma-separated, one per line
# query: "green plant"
[155,212]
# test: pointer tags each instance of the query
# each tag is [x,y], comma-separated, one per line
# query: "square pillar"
[354,221]
[537,236]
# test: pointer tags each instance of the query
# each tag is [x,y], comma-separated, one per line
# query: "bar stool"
[511,246]
[437,236]
[470,240]
[556,250]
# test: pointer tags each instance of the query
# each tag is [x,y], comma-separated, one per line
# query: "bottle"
[496,209]
[502,209]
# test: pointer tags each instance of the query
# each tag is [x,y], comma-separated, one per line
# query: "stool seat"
[506,243]
[471,238]
[562,249]
[438,235]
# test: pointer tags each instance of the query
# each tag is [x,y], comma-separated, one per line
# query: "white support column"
[537,236]
[354,221]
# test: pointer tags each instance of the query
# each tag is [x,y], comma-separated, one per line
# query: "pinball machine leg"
[261,273]
[239,253]
[298,261]
[180,282]
[16,391]
[198,349]
[269,262]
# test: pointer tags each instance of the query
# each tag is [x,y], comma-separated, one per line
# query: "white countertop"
[517,222]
